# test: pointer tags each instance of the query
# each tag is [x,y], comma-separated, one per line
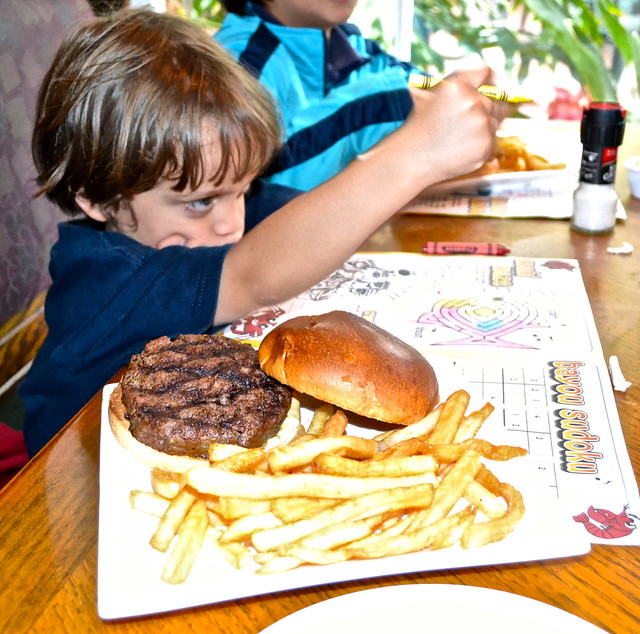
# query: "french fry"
[292,509]
[483,533]
[292,456]
[228,484]
[363,506]
[231,508]
[392,467]
[335,425]
[402,449]
[451,453]
[312,555]
[397,523]
[484,500]
[340,534]
[409,541]
[452,412]
[470,424]
[513,156]
[294,409]
[498,453]
[421,428]
[496,529]
[275,563]
[215,520]
[238,555]
[165,484]
[290,428]
[320,416]
[243,461]
[536,162]
[449,530]
[488,480]
[147,502]
[450,489]
[171,520]
[185,550]
[302,438]
[220,451]
[245,526]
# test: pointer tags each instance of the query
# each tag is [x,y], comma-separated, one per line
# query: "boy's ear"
[93,211]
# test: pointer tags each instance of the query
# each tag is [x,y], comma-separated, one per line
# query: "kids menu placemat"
[521,333]
[537,197]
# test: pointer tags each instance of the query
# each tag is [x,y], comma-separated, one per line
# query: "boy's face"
[319,14]
[208,216]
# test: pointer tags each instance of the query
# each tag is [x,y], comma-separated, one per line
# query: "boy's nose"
[224,226]
[230,220]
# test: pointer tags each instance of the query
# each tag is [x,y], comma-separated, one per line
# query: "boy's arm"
[450,131]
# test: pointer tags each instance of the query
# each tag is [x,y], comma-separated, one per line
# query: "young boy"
[339,92]
[150,132]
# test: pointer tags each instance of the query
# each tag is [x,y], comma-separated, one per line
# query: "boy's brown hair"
[123,104]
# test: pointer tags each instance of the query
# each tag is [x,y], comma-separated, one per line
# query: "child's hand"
[452,126]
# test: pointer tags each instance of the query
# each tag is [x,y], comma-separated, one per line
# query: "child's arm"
[450,131]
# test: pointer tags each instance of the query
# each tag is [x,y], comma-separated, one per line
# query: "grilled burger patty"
[183,394]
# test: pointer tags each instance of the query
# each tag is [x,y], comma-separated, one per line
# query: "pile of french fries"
[326,496]
[511,155]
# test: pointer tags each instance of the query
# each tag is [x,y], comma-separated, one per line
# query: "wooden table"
[49,512]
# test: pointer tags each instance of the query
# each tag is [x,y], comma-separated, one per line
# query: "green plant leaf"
[619,35]
[549,32]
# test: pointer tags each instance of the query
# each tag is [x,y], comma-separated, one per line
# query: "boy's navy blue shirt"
[110,296]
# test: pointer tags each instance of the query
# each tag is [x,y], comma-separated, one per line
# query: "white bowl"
[632,165]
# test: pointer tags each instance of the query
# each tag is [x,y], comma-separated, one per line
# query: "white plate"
[490,182]
[431,608]
[129,569]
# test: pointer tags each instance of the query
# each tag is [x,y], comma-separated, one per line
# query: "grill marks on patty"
[184,394]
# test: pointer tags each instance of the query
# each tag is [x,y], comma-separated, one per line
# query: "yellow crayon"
[424,81]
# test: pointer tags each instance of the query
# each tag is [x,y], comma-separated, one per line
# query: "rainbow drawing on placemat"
[484,321]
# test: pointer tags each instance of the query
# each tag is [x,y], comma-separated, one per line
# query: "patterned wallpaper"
[30,32]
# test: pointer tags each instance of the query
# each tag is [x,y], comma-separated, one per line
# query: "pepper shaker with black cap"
[595,200]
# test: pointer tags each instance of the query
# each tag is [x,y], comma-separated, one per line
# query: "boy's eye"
[198,206]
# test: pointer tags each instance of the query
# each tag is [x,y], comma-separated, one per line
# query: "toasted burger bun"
[149,456]
[345,360]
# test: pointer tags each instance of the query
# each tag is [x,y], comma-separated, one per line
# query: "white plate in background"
[555,145]
[420,608]
[492,183]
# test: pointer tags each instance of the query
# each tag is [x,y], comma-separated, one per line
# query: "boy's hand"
[452,126]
